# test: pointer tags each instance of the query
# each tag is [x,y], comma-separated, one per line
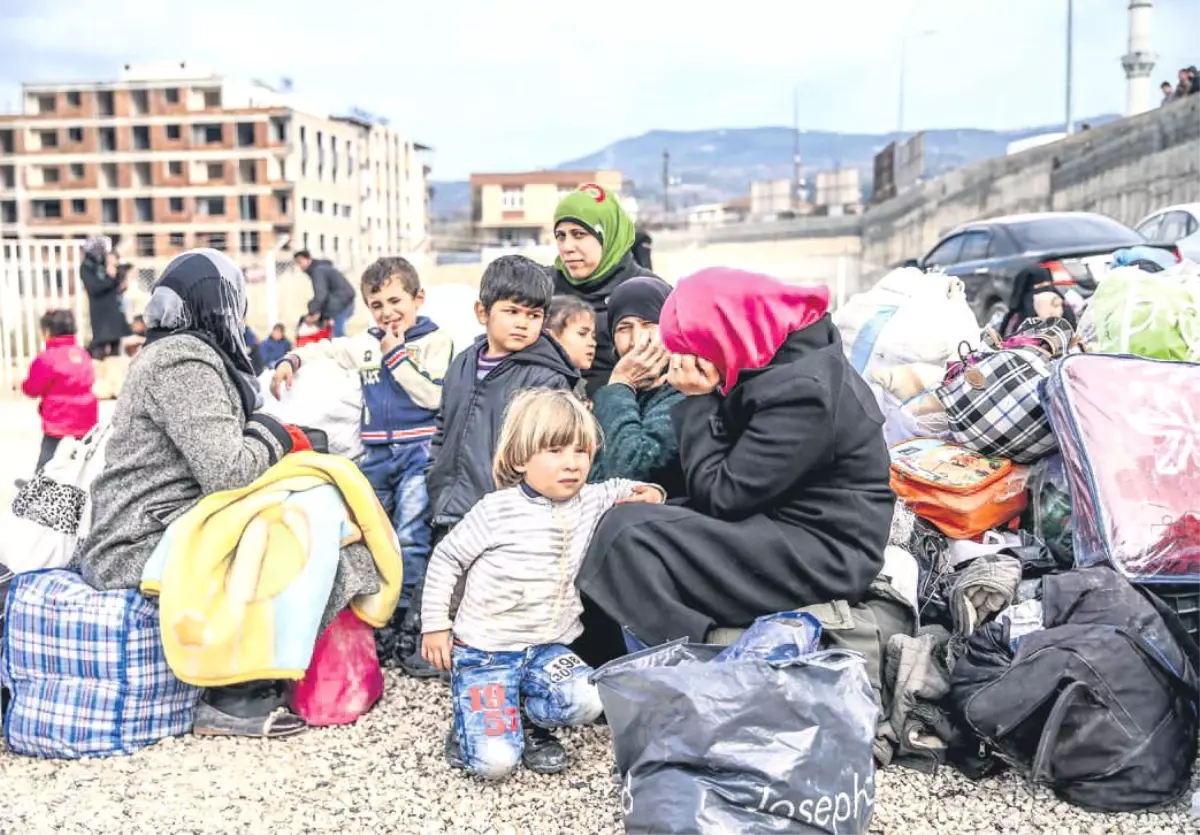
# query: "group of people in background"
[613,463]
[1188,84]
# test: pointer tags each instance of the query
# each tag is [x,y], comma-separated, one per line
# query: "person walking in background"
[62,377]
[333,296]
[595,240]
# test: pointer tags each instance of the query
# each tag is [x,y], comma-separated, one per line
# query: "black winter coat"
[104,303]
[597,296]
[468,423]
[332,293]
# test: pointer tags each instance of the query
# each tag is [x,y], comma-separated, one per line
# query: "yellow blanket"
[243,577]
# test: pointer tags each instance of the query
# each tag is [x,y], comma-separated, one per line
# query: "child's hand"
[435,648]
[644,494]
[284,374]
[390,341]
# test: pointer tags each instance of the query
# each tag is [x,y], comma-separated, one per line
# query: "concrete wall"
[1125,169]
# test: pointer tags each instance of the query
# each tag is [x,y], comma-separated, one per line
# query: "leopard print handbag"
[45,502]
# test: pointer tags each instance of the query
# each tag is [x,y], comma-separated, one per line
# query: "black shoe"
[544,754]
[452,751]
[416,666]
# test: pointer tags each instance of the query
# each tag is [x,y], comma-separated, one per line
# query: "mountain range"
[716,165]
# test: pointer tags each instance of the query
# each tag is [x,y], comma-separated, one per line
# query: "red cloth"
[736,320]
[62,376]
[316,336]
[300,441]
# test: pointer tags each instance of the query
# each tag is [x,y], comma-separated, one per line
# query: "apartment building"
[167,158]
[512,209]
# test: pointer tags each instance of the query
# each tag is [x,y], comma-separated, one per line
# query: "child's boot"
[544,754]
[409,650]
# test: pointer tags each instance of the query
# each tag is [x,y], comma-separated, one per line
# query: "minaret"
[1139,60]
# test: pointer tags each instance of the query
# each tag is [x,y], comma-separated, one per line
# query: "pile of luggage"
[1052,480]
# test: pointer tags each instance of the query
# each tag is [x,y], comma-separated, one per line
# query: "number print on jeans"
[498,720]
[561,668]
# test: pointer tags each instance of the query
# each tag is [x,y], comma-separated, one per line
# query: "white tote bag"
[52,512]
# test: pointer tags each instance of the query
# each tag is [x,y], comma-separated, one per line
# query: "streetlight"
[903,62]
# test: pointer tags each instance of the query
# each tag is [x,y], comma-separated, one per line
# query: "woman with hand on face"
[595,240]
[785,466]
[634,409]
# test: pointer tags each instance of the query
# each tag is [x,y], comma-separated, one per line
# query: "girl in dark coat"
[634,409]
[785,467]
[103,282]
[595,256]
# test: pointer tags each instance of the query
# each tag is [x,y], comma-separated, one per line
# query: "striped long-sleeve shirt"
[521,553]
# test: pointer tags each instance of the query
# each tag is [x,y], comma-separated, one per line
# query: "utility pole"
[666,185]
[1070,67]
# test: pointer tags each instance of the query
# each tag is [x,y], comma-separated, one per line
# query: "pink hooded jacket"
[62,376]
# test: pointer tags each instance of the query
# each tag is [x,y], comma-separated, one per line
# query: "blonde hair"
[538,420]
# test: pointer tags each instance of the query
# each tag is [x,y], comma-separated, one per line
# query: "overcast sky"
[515,84]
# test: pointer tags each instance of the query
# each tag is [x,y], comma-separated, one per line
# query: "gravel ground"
[386,775]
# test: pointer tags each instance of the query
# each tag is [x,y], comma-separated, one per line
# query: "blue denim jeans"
[397,474]
[340,321]
[487,688]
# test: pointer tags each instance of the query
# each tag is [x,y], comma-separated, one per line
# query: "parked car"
[1178,225]
[1076,247]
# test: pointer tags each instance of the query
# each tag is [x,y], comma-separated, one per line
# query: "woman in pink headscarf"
[785,466]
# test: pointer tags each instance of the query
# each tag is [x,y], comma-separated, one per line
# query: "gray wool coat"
[180,433]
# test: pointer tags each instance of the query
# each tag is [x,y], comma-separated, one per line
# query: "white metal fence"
[35,276]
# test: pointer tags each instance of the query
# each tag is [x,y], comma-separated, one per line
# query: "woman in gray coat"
[185,427]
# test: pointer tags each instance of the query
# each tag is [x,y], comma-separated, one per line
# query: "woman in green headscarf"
[595,255]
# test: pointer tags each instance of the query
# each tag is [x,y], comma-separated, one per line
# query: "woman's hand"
[643,367]
[645,494]
[435,648]
[284,374]
[691,375]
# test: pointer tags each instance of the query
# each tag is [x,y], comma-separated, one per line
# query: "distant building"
[838,192]
[770,198]
[167,158]
[716,214]
[513,209]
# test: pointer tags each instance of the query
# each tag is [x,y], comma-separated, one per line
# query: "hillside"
[715,165]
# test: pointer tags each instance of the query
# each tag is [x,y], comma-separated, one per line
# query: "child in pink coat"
[62,376]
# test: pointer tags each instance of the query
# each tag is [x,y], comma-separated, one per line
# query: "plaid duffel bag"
[86,670]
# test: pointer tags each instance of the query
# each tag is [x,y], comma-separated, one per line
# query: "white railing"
[35,276]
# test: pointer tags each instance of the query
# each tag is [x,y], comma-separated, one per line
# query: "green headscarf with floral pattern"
[597,211]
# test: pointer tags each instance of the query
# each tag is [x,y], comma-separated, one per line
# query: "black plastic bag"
[742,745]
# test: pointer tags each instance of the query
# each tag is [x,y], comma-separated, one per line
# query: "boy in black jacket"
[512,356]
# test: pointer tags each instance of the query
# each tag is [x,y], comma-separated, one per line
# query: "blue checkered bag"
[86,670]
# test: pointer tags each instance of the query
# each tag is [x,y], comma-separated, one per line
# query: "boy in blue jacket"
[402,362]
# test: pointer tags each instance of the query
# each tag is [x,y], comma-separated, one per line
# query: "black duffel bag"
[1100,704]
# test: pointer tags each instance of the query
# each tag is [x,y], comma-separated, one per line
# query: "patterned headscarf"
[98,246]
[203,293]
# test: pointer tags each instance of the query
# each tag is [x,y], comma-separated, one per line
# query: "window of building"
[51,174]
[74,98]
[305,241]
[216,240]
[279,128]
[145,246]
[110,211]
[143,209]
[304,203]
[249,242]
[214,171]
[46,209]
[335,243]
[46,104]
[283,204]
[141,137]
[8,211]
[6,141]
[108,139]
[175,168]
[513,197]
[346,210]
[245,134]
[210,134]
[321,242]
[105,103]
[319,208]
[333,210]
[212,98]
[247,171]
[8,176]
[171,95]
[178,240]
[78,207]
[175,205]
[75,135]
[248,207]
[142,175]
[48,138]
[139,102]
[108,175]
[210,206]
[77,171]
[174,132]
